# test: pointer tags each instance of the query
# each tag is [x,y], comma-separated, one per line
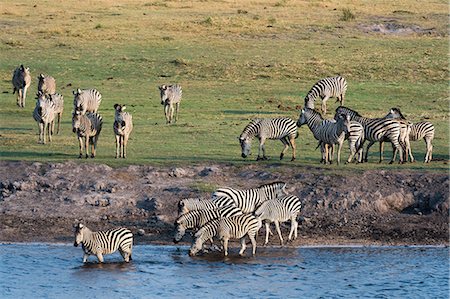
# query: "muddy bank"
[40,202]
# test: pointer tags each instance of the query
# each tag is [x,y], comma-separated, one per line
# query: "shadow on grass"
[248,112]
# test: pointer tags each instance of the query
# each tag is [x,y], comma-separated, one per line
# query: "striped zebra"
[104,242]
[194,204]
[236,227]
[44,114]
[87,100]
[170,96]
[46,84]
[327,88]
[87,127]
[58,99]
[281,128]
[280,210]
[328,132]
[21,80]
[196,219]
[378,130]
[420,130]
[248,200]
[123,125]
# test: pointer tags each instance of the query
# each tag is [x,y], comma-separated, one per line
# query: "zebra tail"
[319,144]
[296,135]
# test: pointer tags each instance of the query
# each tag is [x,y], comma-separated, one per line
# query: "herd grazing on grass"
[230,213]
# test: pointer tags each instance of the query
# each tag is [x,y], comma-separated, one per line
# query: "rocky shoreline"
[39,202]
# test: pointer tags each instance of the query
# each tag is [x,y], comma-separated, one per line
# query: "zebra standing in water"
[87,127]
[377,130]
[420,130]
[196,219]
[170,96]
[280,210]
[249,200]
[46,84]
[44,114]
[104,242]
[328,132]
[236,227]
[194,204]
[21,80]
[87,100]
[58,99]
[281,128]
[325,89]
[123,125]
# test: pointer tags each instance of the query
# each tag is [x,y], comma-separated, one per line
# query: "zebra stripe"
[325,89]
[46,84]
[123,125]
[87,100]
[248,200]
[196,219]
[281,128]
[377,130]
[356,139]
[195,204]
[44,114]
[280,210]
[328,132]
[420,130]
[58,99]
[236,227]
[21,81]
[87,127]
[104,242]
[170,96]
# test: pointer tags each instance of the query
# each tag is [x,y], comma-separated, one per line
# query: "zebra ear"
[115,106]
[123,107]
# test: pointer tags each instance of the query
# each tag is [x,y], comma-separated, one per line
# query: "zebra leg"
[339,152]
[292,142]
[243,246]
[367,151]
[124,146]
[94,146]
[286,146]
[19,92]
[394,154]
[352,148]
[45,130]
[41,132]
[225,246]
[253,240]
[86,146]
[261,150]
[324,104]
[267,224]
[409,151]
[171,109]
[277,226]
[24,95]
[294,226]
[100,257]
[80,144]
[117,145]
[59,121]
[167,113]
[177,106]
[331,154]
[429,151]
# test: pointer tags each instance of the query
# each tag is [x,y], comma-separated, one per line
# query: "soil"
[40,202]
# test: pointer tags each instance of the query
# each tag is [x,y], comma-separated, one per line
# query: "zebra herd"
[347,124]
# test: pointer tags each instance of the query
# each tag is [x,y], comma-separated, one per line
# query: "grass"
[233,67]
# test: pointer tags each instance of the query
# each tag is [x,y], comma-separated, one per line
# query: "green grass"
[233,67]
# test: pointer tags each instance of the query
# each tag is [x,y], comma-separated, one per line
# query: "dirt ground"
[41,202]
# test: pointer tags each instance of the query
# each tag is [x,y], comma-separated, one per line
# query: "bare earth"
[40,202]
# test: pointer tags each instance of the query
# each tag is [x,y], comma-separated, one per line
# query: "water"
[56,271]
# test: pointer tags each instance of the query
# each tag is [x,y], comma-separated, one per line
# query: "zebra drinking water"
[248,200]
[236,227]
[170,96]
[281,128]
[104,242]
[87,100]
[123,125]
[327,88]
[46,84]
[44,114]
[21,81]
[87,127]
[280,210]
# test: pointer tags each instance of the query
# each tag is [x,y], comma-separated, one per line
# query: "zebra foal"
[104,242]
[123,125]
[327,88]
[87,127]
[21,81]
[170,96]
[281,128]
[87,100]
[236,227]
[46,84]
[44,114]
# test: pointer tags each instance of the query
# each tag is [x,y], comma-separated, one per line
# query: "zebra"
[248,200]
[21,80]
[356,139]
[87,100]
[420,130]
[328,132]
[378,130]
[196,219]
[226,228]
[170,96]
[44,114]
[58,99]
[87,126]
[195,204]
[123,125]
[327,88]
[280,210]
[46,84]
[281,128]
[104,242]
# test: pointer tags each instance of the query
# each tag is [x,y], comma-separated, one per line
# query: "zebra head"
[119,108]
[164,93]
[180,230]
[198,243]
[76,121]
[246,144]
[182,209]
[395,113]
[302,118]
[344,119]
[79,230]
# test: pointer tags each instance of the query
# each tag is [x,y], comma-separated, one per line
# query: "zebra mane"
[397,110]
[314,112]
[349,110]
[271,184]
